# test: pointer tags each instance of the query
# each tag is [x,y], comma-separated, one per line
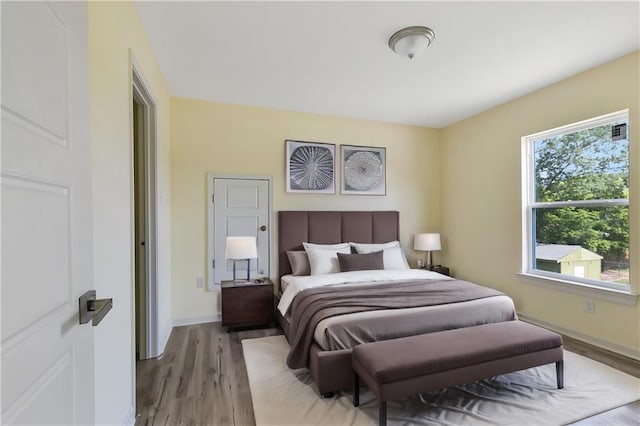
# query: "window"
[576,202]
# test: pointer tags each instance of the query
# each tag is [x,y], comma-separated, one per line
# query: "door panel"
[54,393]
[241,208]
[46,208]
[47,357]
[35,57]
[239,226]
[243,197]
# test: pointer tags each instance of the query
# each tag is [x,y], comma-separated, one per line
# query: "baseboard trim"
[595,341]
[178,322]
[165,338]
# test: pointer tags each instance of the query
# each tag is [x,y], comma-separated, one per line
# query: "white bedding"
[295,284]
[284,282]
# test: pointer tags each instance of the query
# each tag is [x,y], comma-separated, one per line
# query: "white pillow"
[325,246]
[394,259]
[363,248]
[325,261]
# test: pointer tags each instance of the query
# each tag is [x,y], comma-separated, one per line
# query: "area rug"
[288,397]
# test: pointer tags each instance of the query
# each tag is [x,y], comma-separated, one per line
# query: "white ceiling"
[333,58]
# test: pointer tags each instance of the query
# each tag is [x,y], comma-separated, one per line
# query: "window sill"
[611,295]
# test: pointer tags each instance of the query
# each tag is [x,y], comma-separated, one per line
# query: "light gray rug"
[288,397]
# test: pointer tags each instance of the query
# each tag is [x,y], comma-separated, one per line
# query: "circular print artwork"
[363,170]
[311,168]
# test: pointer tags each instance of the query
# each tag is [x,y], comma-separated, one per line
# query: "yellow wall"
[114,30]
[222,138]
[481,203]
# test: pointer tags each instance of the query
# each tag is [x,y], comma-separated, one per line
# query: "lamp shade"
[241,248]
[427,242]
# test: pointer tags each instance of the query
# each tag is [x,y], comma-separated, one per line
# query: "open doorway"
[145,233]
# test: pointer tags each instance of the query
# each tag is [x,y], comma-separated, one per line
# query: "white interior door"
[47,357]
[241,208]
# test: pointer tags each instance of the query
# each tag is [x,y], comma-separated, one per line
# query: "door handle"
[263,228]
[93,309]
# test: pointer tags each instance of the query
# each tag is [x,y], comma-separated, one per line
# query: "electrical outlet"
[200,282]
[589,306]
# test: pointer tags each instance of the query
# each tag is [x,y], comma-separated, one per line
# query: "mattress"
[346,331]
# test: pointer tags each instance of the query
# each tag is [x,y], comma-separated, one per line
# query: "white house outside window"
[576,202]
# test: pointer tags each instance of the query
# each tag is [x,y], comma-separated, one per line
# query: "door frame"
[211,285]
[141,93]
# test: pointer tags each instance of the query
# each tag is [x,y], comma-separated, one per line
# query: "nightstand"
[440,269]
[245,304]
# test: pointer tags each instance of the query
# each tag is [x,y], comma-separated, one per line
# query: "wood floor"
[201,380]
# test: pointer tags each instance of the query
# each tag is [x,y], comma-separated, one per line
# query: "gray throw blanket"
[313,305]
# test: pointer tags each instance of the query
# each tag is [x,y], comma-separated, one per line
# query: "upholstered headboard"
[330,227]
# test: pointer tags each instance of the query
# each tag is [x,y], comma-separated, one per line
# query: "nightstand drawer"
[247,298]
[246,318]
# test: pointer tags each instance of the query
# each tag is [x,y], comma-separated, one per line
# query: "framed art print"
[310,167]
[363,170]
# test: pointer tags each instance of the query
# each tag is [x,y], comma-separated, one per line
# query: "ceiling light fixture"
[411,40]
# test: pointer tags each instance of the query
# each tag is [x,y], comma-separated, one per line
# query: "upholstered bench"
[395,369]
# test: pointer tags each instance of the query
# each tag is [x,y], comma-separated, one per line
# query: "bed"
[328,341]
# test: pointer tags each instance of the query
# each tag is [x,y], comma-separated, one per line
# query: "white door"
[240,208]
[47,357]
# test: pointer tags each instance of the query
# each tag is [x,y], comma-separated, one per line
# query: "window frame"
[529,204]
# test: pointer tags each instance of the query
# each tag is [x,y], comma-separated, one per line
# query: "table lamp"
[427,242]
[241,248]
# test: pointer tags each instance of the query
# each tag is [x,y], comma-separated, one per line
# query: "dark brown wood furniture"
[246,305]
[398,368]
[444,270]
[331,370]
[440,269]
